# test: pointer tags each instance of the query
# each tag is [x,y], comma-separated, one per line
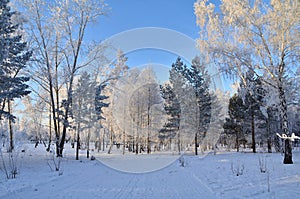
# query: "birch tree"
[263,37]
[33,119]
[118,71]
[136,107]
[58,30]
[122,92]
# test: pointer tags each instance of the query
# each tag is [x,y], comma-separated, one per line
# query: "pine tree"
[200,81]
[252,94]
[13,58]
[233,123]
[185,120]
[99,104]
[83,108]
[218,112]
[172,109]
[196,78]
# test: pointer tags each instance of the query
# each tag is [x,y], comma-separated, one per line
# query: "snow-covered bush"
[181,161]
[238,168]
[262,164]
[11,162]
[54,161]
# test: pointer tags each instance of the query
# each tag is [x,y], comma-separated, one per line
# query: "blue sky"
[129,14]
[125,15]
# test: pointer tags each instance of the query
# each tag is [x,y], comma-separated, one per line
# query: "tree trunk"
[63,136]
[99,141]
[288,152]
[237,142]
[178,141]
[78,129]
[268,135]
[137,145]
[170,140]
[133,145]
[148,145]
[253,132]
[110,140]
[284,124]
[50,131]
[178,137]
[88,144]
[148,125]
[110,148]
[103,140]
[68,103]
[11,138]
[136,148]
[196,144]
[78,141]
[123,142]
[56,117]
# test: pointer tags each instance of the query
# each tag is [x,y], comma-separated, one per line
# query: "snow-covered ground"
[206,176]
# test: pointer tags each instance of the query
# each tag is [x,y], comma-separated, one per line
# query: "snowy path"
[92,179]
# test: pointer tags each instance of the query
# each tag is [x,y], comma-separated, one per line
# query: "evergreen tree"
[233,124]
[200,81]
[196,78]
[252,94]
[99,101]
[13,58]
[186,120]
[273,126]
[99,104]
[172,108]
[83,108]
[218,112]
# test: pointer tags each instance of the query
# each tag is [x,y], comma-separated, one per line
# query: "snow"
[142,163]
[204,176]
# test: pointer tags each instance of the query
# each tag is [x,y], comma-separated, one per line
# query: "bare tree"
[34,119]
[58,32]
[135,98]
